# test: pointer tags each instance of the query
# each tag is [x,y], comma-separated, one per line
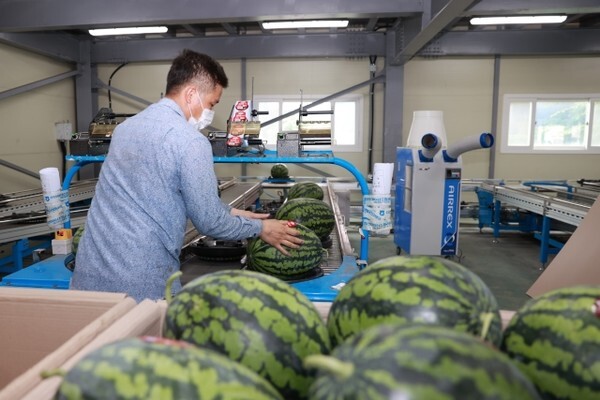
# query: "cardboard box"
[577,262]
[43,328]
[146,319]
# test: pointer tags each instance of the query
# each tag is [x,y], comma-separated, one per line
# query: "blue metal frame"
[20,250]
[548,245]
[307,157]
[52,273]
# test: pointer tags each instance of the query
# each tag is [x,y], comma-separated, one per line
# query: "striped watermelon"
[417,362]
[313,213]
[263,257]
[280,171]
[152,368]
[305,189]
[555,340]
[255,319]
[77,238]
[415,289]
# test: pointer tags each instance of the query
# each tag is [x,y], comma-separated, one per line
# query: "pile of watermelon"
[314,220]
[414,328]
[427,328]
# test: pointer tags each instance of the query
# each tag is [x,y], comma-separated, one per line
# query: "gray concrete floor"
[509,266]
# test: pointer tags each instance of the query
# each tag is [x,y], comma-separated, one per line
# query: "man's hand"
[279,234]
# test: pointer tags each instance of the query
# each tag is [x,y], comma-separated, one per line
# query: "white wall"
[460,87]
[576,75]
[279,77]
[27,130]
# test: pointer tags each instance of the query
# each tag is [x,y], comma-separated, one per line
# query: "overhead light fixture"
[338,23]
[128,31]
[522,19]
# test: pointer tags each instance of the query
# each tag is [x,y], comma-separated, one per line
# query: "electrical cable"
[109,83]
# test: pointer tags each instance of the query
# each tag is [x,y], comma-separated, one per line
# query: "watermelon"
[77,238]
[254,319]
[263,257]
[305,189]
[313,213]
[417,362]
[280,171]
[415,289]
[555,340]
[152,368]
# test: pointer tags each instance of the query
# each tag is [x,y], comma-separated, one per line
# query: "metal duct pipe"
[431,145]
[483,141]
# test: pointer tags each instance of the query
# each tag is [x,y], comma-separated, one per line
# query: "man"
[158,173]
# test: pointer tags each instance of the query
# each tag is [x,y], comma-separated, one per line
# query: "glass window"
[551,124]
[561,124]
[519,124]
[345,122]
[596,124]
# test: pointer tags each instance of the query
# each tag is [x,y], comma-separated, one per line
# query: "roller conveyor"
[32,201]
[550,202]
[20,212]
[547,204]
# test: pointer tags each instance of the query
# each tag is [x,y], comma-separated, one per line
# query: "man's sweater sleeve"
[200,194]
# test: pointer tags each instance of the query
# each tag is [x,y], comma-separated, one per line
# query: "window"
[345,122]
[551,124]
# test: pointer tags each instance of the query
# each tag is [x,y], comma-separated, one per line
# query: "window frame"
[590,98]
[356,98]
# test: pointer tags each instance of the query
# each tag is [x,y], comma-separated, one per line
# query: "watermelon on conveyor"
[254,319]
[263,257]
[415,289]
[312,213]
[280,171]
[555,340]
[154,368]
[77,238]
[305,189]
[417,362]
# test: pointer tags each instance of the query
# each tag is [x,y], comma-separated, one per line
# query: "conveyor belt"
[570,211]
[31,200]
[19,212]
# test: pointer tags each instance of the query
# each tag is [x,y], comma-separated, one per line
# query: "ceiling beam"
[59,46]
[17,15]
[514,7]
[230,29]
[448,14]
[518,43]
[356,44]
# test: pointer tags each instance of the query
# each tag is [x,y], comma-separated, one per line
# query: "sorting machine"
[341,263]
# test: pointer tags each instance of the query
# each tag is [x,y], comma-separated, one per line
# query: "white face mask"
[205,118]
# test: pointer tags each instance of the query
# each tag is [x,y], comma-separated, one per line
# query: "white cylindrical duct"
[431,145]
[424,122]
[483,141]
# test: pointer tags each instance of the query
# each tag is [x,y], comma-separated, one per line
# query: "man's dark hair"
[192,67]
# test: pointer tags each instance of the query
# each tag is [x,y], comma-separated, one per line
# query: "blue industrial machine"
[428,176]
[53,272]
